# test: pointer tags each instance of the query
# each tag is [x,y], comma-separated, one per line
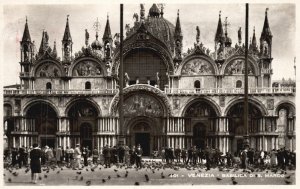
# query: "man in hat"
[139,153]
[107,156]
[77,154]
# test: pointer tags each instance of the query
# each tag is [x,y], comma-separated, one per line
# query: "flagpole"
[121,82]
[246,111]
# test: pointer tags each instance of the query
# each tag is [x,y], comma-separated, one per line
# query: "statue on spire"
[240,35]
[198,35]
[87,36]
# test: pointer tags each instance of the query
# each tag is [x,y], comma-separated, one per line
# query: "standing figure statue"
[87,36]
[136,17]
[117,39]
[157,79]
[126,79]
[240,35]
[198,34]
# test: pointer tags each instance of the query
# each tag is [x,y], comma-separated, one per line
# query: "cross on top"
[96,25]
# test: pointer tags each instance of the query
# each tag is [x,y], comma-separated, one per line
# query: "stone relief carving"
[176,103]
[142,105]
[199,110]
[270,104]
[87,68]
[48,70]
[237,67]
[197,67]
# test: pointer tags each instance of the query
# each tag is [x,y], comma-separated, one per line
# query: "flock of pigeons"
[150,167]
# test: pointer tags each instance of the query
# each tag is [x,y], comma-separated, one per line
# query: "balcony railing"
[58,92]
[266,71]
[286,90]
[212,91]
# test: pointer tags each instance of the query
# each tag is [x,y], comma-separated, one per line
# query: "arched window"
[48,86]
[238,84]
[87,85]
[197,85]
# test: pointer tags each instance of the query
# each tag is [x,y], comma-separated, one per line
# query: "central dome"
[158,26]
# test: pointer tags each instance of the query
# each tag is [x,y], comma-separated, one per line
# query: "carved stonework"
[105,103]
[142,105]
[176,103]
[48,69]
[199,110]
[270,104]
[197,67]
[87,69]
[222,101]
[139,88]
[237,67]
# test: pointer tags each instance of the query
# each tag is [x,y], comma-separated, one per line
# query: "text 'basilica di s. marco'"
[171,98]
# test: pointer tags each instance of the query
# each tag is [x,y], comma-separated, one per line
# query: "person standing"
[273,158]
[244,159]
[21,159]
[139,153]
[107,156]
[67,155]
[95,156]
[177,154]
[190,155]
[35,163]
[85,154]
[58,155]
[183,155]
[77,154]
[132,155]
[71,153]
[208,154]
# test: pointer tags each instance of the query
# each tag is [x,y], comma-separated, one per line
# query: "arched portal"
[200,119]
[141,132]
[236,126]
[82,117]
[43,119]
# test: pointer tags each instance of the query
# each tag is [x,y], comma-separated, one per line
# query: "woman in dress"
[35,162]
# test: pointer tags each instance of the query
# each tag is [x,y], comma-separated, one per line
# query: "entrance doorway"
[199,135]
[144,140]
[86,137]
[48,141]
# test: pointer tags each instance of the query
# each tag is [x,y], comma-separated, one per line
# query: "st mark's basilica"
[171,98]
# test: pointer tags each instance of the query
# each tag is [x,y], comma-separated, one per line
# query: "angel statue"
[117,39]
[240,35]
[136,17]
[157,79]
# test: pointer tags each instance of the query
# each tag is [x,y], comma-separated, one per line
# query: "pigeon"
[136,183]
[109,177]
[287,181]
[61,169]
[218,178]
[103,180]
[26,171]
[57,172]
[87,169]
[40,178]
[234,182]
[9,179]
[15,174]
[115,170]
[79,172]
[288,177]
[92,169]
[47,171]
[81,178]
[118,176]
[88,183]
[45,176]
[147,178]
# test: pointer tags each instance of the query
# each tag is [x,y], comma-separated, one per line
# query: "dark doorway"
[144,140]
[48,141]
[86,135]
[199,135]
[239,145]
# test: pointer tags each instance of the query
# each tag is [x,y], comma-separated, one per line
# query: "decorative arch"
[7,109]
[93,103]
[253,101]
[87,67]
[143,39]
[147,89]
[33,102]
[48,68]
[194,100]
[201,62]
[234,60]
[290,106]
[141,119]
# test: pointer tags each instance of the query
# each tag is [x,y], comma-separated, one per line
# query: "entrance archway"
[199,135]
[44,121]
[236,126]
[141,133]
[86,135]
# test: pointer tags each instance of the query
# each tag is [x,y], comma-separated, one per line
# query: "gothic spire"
[266,33]
[67,35]
[254,42]
[178,32]
[220,33]
[44,43]
[107,31]
[26,35]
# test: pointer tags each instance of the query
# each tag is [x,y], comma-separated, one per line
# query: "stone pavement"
[157,173]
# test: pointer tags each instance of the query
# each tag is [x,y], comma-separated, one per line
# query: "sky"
[52,18]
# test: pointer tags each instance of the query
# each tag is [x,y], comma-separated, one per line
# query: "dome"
[158,26]
[96,45]
[227,41]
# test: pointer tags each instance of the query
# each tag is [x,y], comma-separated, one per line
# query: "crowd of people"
[77,158]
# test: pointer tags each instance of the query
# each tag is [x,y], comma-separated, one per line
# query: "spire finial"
[107,16]
[220,14]
[26,19]
[68,18]
[267,10]
[178,12]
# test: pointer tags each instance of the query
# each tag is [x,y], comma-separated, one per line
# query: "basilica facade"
[171,98]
